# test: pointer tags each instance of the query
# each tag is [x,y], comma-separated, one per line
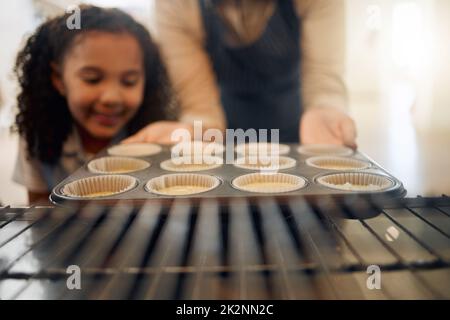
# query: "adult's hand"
[159,132]
[324,125]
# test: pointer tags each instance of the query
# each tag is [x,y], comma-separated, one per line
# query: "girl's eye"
[91,75]
[92,80]
[131,81]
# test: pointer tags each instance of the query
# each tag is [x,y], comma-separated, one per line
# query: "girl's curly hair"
[44,119]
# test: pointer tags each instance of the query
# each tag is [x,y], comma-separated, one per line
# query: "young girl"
[83,89]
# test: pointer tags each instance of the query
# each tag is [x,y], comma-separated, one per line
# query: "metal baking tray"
[226,173]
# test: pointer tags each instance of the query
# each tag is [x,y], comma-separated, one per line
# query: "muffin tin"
[315,181]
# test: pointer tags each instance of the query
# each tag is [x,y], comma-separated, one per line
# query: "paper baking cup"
[135,150]
[99,186]
[191,163]
[324,149]
[262,149]
[356,181]
[114,165]
[337,163]
[265,163]
[182,184]
[197,148]
[269,183]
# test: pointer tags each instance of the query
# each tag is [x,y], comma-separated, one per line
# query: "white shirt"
[39,177]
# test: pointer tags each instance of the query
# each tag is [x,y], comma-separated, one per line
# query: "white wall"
[16,19]
[440,110]
[364,47]
[376,45]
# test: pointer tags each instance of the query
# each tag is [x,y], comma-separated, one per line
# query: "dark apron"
[260,82]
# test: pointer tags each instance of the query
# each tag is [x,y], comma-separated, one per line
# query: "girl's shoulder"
[39,176]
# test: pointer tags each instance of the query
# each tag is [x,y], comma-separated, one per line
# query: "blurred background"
[398,76]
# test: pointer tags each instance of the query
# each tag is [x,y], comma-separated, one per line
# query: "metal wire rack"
[240,249]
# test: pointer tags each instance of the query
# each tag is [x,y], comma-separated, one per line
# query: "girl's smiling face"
[102,77]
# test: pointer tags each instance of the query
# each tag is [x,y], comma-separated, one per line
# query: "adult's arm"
[179,31]
[323,53]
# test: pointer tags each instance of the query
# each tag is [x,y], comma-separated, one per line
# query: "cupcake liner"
[99,186]
[191,163]
[266,163]
[356,181]
[269,183]
[337,163]
[262,149]
[135,150]
[115,165]
[197,148]
[182,184]
[324,150]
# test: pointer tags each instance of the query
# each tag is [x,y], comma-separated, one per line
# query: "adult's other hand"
[326,125]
